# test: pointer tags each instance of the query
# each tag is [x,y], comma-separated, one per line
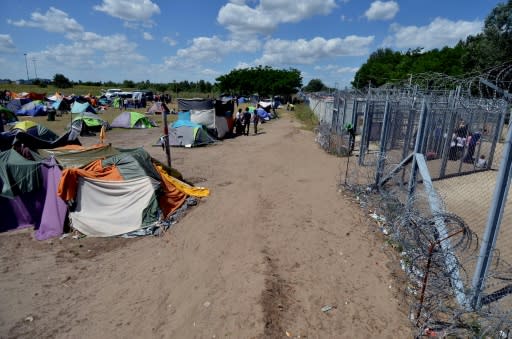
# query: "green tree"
[265,81]
[315,85]
[60,81]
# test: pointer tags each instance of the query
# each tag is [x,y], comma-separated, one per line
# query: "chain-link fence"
[432,168]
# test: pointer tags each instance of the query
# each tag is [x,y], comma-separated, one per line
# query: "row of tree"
[476,54]
[265,81]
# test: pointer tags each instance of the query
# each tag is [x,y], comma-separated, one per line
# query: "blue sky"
[163,41]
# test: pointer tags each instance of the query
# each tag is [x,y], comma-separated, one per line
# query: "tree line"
[475,54]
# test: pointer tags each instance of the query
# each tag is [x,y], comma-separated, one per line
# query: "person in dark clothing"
[475,138]
[247,121]
[255,121]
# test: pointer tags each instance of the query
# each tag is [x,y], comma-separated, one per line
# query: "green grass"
[306,116]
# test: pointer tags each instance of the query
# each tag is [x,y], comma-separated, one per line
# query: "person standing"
[255,120]
[247,121]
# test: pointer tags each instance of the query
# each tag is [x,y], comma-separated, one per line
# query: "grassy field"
[88,90]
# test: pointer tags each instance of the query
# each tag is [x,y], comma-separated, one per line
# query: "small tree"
[60,81]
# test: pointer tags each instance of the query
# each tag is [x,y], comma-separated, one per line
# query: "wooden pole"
[166,140]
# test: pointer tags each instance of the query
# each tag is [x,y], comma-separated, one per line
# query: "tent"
[78,107]
[33,108]
[204,112]
[158,107]
[132,120]
[7,116]
[184,132]
[87,122]
[15,104]
[35,130]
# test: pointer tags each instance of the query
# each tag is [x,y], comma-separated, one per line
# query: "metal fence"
[433,169]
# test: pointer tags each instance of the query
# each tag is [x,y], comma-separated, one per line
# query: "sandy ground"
[273,244]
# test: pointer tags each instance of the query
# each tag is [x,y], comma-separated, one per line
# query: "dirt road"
[273,244]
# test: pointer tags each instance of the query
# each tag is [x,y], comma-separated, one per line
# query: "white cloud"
[439,33]
[6,44]
[382,10]
[129,10]
[209,50]
[240,18]
[170,41]
[54,20]
[336,69]
[147,36]
[283,52]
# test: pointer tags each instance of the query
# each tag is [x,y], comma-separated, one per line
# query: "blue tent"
[33,108]
[15,104]
[80,108]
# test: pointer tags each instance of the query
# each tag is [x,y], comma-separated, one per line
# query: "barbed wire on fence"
[439,249]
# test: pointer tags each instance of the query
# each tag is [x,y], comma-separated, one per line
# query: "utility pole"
[35,69]
[26,65]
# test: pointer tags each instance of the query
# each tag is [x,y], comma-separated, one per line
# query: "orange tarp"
[172,198]
[69,180]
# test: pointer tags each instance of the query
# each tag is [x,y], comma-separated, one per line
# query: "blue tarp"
[184,120]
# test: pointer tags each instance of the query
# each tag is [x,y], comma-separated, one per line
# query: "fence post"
[493,222]
[422,124]
[383,142]
[365,134]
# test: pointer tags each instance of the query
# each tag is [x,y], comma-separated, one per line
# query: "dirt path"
[273,244]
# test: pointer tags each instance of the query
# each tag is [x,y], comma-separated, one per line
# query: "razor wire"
[377,172]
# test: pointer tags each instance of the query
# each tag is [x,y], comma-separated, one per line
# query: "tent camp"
[158,107]
[184,132]
[112,180]
[132,120]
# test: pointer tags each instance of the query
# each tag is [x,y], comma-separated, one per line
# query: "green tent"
[132,120]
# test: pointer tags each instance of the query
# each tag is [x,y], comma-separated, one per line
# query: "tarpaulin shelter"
[120,194]
[110,191]
[132,120]
[203,112]
[29,195]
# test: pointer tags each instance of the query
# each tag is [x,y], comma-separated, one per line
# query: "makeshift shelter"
[114,191]
[184,132]
[158,107]
[203,112]
[132,120]
[29,194]
[129,181]
[78,107]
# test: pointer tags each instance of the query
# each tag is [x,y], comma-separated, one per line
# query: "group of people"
[465,141]
[243,121]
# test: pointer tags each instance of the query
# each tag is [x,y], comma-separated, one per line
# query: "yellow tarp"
[198,192]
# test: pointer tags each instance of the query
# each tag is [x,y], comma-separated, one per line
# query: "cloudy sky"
[163,41]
